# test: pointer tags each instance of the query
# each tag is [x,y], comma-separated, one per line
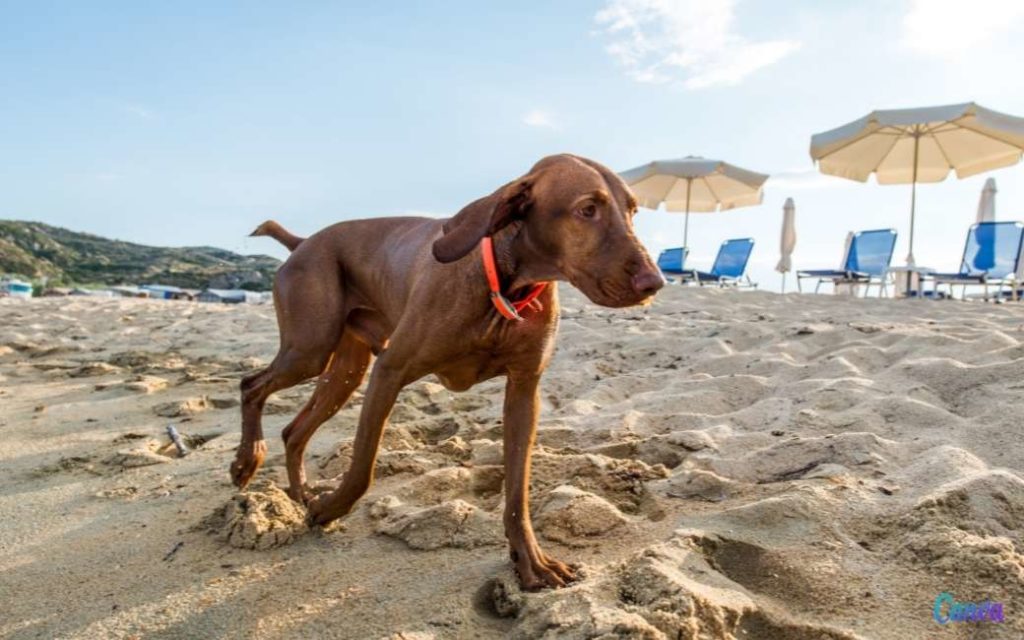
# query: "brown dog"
[413,292]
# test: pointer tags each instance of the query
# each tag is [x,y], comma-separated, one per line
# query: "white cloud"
[539,118]
[951,27]
[659,41]
[136,110]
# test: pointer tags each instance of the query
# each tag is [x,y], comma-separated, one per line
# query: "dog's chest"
[523,350]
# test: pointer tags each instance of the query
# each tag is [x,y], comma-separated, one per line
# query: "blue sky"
[188,123]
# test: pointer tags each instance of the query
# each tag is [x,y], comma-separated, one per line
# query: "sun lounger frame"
[850,276]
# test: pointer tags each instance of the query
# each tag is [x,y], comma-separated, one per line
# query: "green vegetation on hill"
[34,250]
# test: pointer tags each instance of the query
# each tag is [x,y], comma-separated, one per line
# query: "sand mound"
[621,482]
[146,361]
[94,369]
[570,516]
[261,517]
[145,384]
[182,408]
[669,450]
[798,457]
[473,484]
[149,454]
[453,523]
[697,484]
[666,591]
[990,504]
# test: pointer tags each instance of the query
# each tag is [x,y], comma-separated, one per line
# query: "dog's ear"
[483,217]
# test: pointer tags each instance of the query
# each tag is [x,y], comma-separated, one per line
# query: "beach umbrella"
[694,184]
[987,202]
[902,146]
[788,241]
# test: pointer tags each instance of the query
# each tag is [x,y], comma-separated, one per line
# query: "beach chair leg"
[799,289]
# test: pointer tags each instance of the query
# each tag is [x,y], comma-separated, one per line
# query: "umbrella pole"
[686,221]
[783,282]
[913,199]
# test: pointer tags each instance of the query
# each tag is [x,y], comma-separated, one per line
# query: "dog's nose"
[647,282]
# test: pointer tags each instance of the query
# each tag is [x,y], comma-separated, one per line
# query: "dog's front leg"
[536,570]
[381,392]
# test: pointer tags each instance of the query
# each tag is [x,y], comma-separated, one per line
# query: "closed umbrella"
[987,202]
[788,241]
[903,146]
[694,184]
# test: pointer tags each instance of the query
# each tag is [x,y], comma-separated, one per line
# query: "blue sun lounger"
[867,262]
[992,256]
[672,261]
[730,266]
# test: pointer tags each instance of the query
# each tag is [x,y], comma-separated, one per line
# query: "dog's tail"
[279,233]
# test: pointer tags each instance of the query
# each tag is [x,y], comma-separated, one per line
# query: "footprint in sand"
[453,523]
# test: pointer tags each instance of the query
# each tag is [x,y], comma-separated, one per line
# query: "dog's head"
[577,220]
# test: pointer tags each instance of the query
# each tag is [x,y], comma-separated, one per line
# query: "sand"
[720,465]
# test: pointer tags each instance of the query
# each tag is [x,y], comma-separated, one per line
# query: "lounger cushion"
[835,275]
[703,276]
[958,277]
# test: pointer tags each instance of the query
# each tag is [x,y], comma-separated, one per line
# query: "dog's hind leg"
[343,375]
[386,380]
[309,301]
[288,369]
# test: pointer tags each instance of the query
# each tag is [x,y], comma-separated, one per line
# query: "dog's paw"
[542,572]
[247,461]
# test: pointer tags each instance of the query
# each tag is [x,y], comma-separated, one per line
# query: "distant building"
[165,292]
[230,296]
[95,293]
[15,288]
[127,291]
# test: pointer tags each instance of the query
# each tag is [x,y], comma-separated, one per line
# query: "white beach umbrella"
[694,184]
[788,240]
[903,146]
[987,202]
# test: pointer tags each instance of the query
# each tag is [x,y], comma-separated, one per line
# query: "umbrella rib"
[885,155]
[897,133]
[718,201]
[991,137]
[942,150]
[848,144]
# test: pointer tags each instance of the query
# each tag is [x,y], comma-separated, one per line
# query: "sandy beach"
[720,464]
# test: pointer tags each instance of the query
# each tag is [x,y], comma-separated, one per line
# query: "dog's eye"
[588,211]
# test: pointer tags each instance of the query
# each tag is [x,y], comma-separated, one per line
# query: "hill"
[35,251]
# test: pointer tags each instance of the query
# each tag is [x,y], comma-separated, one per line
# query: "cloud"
[137,110]
[949,28]
[539,118]
[660,41]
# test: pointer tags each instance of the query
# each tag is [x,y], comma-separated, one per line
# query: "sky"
[188,123]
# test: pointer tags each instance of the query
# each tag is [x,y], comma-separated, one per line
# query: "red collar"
[508,309]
